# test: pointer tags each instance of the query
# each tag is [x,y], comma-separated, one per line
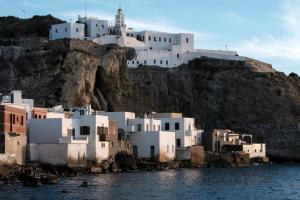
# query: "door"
[178,142]
[152,151]
[135,151]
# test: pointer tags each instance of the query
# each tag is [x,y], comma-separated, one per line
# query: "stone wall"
[8,159]
[194,154]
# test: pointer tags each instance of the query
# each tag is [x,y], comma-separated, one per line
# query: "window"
[56,31]
[101,130]
[40,116]
[128,34]
[158,127]
[137,62]
[173,148]
[178,142]
[81,112]
[189,127]
[167,126]
[178,55]
[22,120]
[102,145]
[96,25]
[187,40]
[77,30]
[177,127]
[154,61]
[149,38]
[145,62]
[154,39]
[66,30]
[167,148]
[131,35]
[133,62]
[153,127]
[139,127]
[165,39]
[84,130]
[170,40]
[102,26]
[35,116]
[14,119]
[159,39]
[167,62]
[147,127]
[161,62]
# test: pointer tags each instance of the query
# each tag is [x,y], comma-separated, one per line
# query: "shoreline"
[38,174]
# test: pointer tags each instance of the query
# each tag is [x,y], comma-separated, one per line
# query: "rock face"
[245,96]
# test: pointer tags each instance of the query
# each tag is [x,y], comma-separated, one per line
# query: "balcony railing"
[73,139]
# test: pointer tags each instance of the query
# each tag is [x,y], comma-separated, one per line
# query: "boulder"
[125,161]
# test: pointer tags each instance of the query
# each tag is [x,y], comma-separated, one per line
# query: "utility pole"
[24,11]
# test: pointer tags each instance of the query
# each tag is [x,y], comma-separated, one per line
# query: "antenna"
[85,8]
[226,47]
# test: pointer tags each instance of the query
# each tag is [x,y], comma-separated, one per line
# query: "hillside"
[245,96]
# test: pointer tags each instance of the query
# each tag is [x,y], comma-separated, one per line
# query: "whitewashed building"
[149,142]
[82,128]
[152,47]
[67,30]
[186,132]
[165,132]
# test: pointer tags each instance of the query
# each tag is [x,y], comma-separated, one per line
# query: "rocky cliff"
[245,96]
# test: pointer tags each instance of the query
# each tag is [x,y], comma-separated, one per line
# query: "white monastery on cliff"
[152,47]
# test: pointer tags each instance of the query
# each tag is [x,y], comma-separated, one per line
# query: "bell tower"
[120,19]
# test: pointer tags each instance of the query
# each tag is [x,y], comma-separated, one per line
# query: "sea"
[257,182]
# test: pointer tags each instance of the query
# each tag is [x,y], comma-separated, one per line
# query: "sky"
[268,30]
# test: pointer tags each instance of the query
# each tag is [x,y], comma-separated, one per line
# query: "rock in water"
[85,184]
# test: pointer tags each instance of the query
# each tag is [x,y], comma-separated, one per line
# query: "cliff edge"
[248,96]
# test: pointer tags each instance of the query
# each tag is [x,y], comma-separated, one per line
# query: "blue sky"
[268,30]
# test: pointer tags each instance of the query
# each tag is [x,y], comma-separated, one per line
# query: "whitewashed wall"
[159,139]
[255,150]
[67,30]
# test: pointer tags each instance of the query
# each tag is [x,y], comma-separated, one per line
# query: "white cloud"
[285,47]
[235,16]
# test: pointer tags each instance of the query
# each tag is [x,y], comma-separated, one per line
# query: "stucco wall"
[72,155]
[159,139]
